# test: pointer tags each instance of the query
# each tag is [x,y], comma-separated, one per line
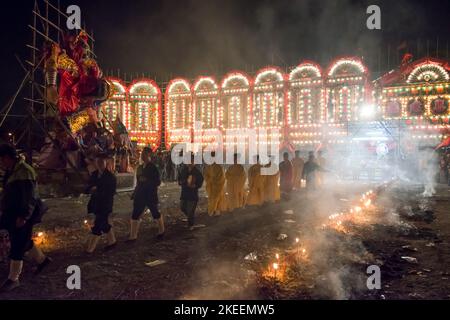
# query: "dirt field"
[214,262]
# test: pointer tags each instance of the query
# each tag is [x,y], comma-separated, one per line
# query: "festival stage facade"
[139,107]
[308,108]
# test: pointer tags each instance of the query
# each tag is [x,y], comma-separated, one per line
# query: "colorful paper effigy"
[75,83]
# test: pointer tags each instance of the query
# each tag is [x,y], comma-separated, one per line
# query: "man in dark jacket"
[21,210]
[190,180]
[146,195]
[310,170]
[102,186]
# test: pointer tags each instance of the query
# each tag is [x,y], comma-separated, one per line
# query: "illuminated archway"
[236,101]
[179,115]
[269,98]
[305,96]
[145,109]
[305,106]
[117,105]
[346,87]
[206,102]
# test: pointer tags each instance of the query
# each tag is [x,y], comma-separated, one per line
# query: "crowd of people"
[22,208]
[228,188]
[62,150]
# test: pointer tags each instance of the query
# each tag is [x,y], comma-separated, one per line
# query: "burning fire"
[355,214]
[39,238]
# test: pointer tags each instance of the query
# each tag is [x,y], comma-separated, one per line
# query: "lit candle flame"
[275,266]
[40,234]
[297,240]
[85,222]
[277,256]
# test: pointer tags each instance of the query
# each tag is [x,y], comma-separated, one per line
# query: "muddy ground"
[214,262]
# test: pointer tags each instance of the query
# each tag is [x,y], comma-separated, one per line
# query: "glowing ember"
[39,238]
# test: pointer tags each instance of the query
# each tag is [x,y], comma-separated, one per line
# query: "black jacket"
[19,197]
[148,181]
[102,200]
[310,167]
[187,192]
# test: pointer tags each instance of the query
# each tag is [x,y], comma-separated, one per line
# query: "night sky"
[168,38]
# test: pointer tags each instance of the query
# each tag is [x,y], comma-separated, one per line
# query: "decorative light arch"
[145,86]
[205,84]
[145,105]
[428,72]
[178,110]
[306,69]
[178,85]
[117,105]
[235,79]
[338,64]
[274,74]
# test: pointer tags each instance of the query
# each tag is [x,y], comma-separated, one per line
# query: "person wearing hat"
[21,209]
[146,195]
[102,187]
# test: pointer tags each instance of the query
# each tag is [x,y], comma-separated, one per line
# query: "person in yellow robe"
[255,185]
[297,164]
[271,186]
[215,188]
[236,177]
